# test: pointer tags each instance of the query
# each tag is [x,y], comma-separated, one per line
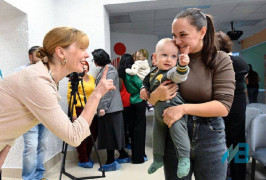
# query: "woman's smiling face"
[185,34]
[76,57]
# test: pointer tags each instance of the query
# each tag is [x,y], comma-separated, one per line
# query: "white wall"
[13,48]
[40,18]
[133,42]
[20,31]
[13,38]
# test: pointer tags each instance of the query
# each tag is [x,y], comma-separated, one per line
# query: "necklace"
[57,84]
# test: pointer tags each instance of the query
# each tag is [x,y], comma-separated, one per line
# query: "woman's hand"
[144,94]
[165,91]
[102,112]
[104,85]
[172,114]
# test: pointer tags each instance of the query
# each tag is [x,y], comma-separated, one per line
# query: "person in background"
[252,81]
[30,96]
[153,63]
[34,140]
[141,68]
[32,57]
[208,93]
[235,120]
[134,55]
[137,124]
[111,127]
[154,68]
[125,96]
[84,149]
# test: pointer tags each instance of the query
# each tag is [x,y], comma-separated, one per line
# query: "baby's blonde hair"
[161,42]
[143,52]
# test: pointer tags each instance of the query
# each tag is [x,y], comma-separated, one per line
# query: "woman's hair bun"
[41,53]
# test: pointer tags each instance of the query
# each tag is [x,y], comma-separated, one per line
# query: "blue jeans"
[207,138]
[33,154]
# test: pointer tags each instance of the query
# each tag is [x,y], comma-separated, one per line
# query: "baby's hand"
[184,58]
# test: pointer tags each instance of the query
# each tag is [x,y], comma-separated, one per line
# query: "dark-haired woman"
[137,122]
[235,121]
[208,92]
[111,127]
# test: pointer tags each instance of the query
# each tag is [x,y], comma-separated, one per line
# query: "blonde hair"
[161,42]
[144,52]
[134,55]
[61,37]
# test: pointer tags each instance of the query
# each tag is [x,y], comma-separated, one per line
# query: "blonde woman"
[30,96]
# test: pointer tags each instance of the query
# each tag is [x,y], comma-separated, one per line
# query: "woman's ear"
[203,32]
[59,51]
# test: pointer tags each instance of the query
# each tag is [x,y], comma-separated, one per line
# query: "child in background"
[141,68]
[169,68]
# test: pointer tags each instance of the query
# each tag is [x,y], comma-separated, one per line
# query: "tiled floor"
[128,171]
[133,171]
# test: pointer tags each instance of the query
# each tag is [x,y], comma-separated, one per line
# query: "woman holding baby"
[208,93]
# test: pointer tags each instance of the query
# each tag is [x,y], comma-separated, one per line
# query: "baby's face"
[140,56]
[167,56]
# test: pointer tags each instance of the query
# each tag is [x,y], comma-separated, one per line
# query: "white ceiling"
[155,17]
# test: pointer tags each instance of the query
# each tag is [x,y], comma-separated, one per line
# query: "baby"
[169,68]
[141,66]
